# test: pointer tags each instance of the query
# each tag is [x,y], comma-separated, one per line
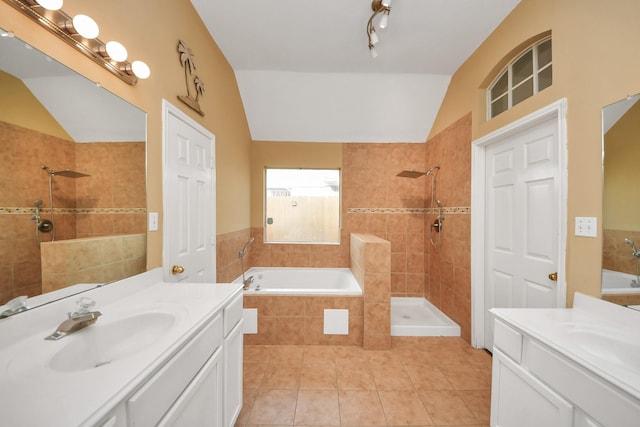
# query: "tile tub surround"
[376,201]
[616,254]
[299,320]
[419,381]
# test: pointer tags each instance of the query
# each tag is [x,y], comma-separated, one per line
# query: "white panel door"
[189,199]
[521,221]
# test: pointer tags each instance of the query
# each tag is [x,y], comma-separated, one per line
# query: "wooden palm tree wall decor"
[189,65]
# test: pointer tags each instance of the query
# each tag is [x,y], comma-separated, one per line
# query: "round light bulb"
[140,69]
[86,26]
[116,51]
[50,4]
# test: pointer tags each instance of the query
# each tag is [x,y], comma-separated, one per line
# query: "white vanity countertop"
[600,336]
[35,394]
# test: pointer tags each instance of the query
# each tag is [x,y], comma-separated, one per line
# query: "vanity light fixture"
[85,26]
[379,7]
[50,4]
[81,32]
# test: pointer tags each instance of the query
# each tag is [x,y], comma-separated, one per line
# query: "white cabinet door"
[200,404]
[520,400]
[233,375]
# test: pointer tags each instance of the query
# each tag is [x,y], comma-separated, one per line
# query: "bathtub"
[615,282]
[301,281]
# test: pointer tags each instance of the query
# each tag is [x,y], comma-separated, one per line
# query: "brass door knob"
[553,276]
[177,269]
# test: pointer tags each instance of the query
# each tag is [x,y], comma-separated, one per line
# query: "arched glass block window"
[530,72]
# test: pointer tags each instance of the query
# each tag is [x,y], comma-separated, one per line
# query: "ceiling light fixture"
[81,32]
[379,7]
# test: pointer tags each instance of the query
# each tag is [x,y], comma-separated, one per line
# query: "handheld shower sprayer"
[634,250]
[241,253]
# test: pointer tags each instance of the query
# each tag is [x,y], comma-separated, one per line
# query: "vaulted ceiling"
[305,73]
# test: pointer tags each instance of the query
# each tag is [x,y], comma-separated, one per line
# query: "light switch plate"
[153,221]
[586,226]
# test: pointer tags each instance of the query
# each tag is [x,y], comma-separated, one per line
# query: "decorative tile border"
[73,211]
[464,210]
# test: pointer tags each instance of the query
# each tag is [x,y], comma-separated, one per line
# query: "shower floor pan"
[417,317]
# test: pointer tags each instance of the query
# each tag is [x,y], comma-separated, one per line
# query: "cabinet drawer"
[508,340]
[604,403]
[232,314]
[147,406]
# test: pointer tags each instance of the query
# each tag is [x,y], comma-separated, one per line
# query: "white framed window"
[530,72]
[302,206]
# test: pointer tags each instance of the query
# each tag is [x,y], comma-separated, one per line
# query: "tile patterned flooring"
[421,381]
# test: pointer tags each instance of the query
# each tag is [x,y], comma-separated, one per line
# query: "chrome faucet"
[636,254]
[634,250]
[246,283]
[14,306]
[79,319]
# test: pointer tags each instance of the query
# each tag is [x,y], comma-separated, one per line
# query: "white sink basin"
[609,346]
[102,344]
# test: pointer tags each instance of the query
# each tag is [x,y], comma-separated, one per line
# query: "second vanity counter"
[567,367]
[80,378]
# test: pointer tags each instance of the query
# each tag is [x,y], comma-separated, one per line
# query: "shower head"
[417,174]
[411,174]
[68,173]
[242,252]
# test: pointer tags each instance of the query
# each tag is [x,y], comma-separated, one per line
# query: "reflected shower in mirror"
[621,198]
[56,126]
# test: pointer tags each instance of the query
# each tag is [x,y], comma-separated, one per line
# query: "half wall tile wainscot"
[92,260]
[371,266]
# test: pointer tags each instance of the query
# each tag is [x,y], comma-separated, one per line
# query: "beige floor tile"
[361,408]
[355,376]
[253,374]
[316,354]
[403,408]
[317,408]
[287,354]
[274,407]
[350,354]
[466,377]
[426,377]
[421,381]
[391,377]
[447,408]
[318,377]
[479,402]
[257,353]
[282,377]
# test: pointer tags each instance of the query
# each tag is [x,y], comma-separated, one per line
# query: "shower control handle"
[553,276]
[177,269]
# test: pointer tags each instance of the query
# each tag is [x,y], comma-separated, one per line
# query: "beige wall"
[151,31]
[621,178]
[18,106]
[286,155]
[595,63]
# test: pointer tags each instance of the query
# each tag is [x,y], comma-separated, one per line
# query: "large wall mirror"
[621,209]
[72,179]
